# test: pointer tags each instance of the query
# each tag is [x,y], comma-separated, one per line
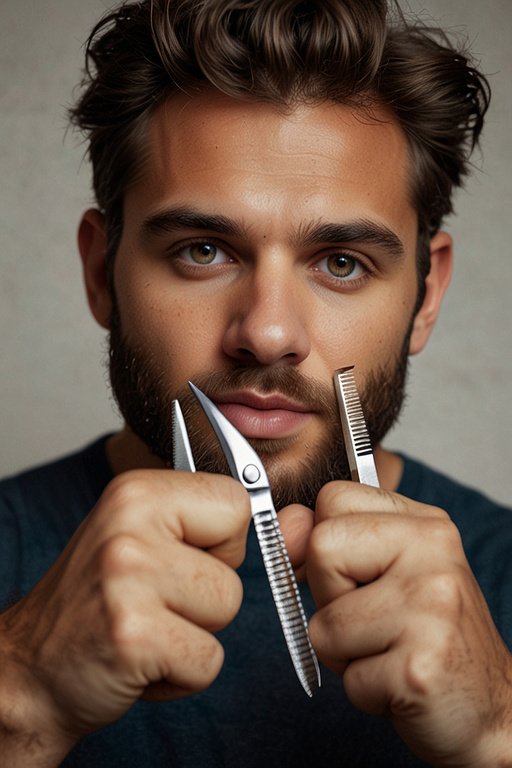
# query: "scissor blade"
[181,450]
[355,432]
[241,457]
[246,466]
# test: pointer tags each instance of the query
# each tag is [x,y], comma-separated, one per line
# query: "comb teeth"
[356,420]
[355,432]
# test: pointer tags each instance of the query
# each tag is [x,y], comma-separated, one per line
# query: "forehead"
[221,154]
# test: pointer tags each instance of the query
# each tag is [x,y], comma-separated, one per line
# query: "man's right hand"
[127,610]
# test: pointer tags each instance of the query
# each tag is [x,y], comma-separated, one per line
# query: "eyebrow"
[365,231]
[357,231]
[175,219]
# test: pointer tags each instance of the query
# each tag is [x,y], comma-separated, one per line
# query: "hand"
[128,609]
[402,618]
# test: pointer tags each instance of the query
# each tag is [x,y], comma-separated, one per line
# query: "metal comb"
[355,432]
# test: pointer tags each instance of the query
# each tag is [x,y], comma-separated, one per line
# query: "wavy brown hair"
[283,52]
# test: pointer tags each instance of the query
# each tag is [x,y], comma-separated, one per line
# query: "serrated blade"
[355,432]
[181,451]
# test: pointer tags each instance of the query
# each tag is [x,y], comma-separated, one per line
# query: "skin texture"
[415,640]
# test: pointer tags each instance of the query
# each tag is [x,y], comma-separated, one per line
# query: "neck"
[389,468]
[125,451]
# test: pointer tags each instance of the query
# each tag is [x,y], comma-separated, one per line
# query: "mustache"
[312,393]
[288,381]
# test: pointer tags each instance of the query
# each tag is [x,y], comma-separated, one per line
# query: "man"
[271,179]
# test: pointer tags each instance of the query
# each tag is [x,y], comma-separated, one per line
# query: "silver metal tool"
[355,432]
[182,457]
[246,466]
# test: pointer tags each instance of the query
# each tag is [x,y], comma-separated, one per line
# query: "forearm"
[28,737]
[27,749]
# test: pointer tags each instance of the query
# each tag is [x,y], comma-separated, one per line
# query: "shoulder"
[40,508]
[462,502]
[85,470]
[477,516]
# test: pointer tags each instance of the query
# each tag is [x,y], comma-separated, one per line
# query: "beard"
[140,387]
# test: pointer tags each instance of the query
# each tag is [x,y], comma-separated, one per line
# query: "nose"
[268,323]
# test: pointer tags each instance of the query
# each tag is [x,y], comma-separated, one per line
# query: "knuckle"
[228,498]
[444,533]
[418,673]
[427,670]
[325,537]
[445,596]
[438,513]
[120,554]
[126,491]
[329,497]
[128,634]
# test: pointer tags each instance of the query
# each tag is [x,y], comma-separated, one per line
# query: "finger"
[153,646]
[357,549]
[296,524]
[184,579]
[364,622]
[417,667]
[208,511]
[346,497]
[201,588]
[229,502]
[366,684]
[194,656]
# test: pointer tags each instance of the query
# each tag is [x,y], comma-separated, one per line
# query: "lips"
[263,416]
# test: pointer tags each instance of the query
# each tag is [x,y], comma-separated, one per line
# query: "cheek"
[363,334]
[181,334]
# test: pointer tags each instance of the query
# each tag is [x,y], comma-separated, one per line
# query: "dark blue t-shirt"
[255,713]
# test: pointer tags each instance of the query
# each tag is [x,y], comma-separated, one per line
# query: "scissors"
[246,466]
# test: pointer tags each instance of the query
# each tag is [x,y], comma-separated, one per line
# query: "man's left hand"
[402,619]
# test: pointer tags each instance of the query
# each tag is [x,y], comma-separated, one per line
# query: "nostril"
[246,354]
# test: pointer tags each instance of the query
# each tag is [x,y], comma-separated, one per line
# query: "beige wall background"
[53,391]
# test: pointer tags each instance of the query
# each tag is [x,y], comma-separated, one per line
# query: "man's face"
[260,252]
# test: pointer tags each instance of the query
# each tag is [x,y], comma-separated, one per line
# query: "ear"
[92,244]
[437,281]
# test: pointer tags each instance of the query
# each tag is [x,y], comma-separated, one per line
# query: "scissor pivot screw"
[251,474]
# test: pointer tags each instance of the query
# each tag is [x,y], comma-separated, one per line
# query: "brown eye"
[202,253]
[341,265]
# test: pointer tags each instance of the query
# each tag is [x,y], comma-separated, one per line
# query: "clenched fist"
[128,610]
